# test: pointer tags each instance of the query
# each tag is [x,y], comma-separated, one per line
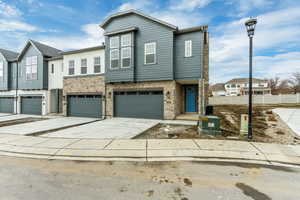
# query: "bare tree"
[283,84]
[273,84]
[295,82]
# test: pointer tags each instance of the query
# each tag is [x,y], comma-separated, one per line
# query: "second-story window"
[52,68]
[126,40]
[126,57]
[114,58]
[83,66]
[31,68]
[114,42]
[150,53]
[71,67]
[1,69]
[97,65]
[188,48]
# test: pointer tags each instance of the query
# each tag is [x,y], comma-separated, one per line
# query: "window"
[126,40]
[31,68]
[1,68]
[114,42]
[97,65]
[150,53]
[83,66]
[71,67]
[126,57]
[188,48]
[52,68]
[114,58]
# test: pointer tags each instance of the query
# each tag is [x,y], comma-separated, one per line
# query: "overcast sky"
[73,24]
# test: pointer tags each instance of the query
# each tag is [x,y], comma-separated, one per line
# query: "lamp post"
[250,25]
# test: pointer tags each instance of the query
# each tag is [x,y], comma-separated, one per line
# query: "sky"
[74,24]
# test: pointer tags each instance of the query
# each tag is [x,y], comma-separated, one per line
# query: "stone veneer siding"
[83,85]
[170,100]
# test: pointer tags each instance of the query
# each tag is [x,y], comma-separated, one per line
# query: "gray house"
[24,88]
[153,68]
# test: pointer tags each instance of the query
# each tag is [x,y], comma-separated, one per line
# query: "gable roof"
[45,50]
[245,80]
[118,14]
[218,87]
[9,55]
[83,50]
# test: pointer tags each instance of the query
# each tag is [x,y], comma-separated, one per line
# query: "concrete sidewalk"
[148,150]
[291,116]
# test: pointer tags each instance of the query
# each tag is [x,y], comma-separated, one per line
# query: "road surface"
[45,179]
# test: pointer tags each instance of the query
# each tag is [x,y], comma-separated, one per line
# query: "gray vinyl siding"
[188,68]
[4,79]
[40,82]
[12,75]
[148,31]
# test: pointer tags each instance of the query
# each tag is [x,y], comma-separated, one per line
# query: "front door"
[191,99]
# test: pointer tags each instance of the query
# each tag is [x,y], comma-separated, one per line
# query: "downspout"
[17,76]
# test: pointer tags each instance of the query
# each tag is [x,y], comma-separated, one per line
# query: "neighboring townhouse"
[83,82]
[27,76]
[218,89]
[240,86]
[154,69]
[8,65]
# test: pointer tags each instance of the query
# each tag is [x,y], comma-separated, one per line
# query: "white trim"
[110,52]
[1,69]
[145,53]
[124,48]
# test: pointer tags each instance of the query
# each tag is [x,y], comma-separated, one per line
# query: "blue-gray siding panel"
[12,75]
[190,67]
[148,31]
[40,83]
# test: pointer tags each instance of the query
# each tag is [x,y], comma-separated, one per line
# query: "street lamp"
[250,25]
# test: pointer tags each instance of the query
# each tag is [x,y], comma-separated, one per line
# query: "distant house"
[218,89]
[240,87]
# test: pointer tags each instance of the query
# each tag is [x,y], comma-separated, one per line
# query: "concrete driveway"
[291,116]
[124,128]
[16,117]
[45,125]
[5,114]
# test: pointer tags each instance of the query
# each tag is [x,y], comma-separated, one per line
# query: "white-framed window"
[188,48]
[97,65]
[150,53]
[114,42]
[126,40]
[83,66]
[126,57]
[31,68]
[1,69]
[71,67]
[114,58]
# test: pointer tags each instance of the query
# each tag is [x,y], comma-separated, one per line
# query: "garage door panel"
[31,105]
[139,105]
[6,104]
[85,106]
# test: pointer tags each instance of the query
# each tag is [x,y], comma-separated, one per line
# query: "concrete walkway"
[5,114]
[114,128]
[45,125]
[148,150]
[291,117]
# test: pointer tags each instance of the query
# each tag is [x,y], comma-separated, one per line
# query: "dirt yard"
[267,127]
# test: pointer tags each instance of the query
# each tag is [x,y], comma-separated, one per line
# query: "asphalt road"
[45,179]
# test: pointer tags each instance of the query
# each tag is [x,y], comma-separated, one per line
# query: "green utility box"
[209,125]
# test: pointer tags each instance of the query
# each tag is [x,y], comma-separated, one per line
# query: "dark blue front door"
[190,99]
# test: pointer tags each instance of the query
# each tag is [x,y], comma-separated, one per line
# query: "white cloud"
[245,6]
[8,25]
[136,5]
[92,36]
[8,10]
[275,30]
[190,4]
